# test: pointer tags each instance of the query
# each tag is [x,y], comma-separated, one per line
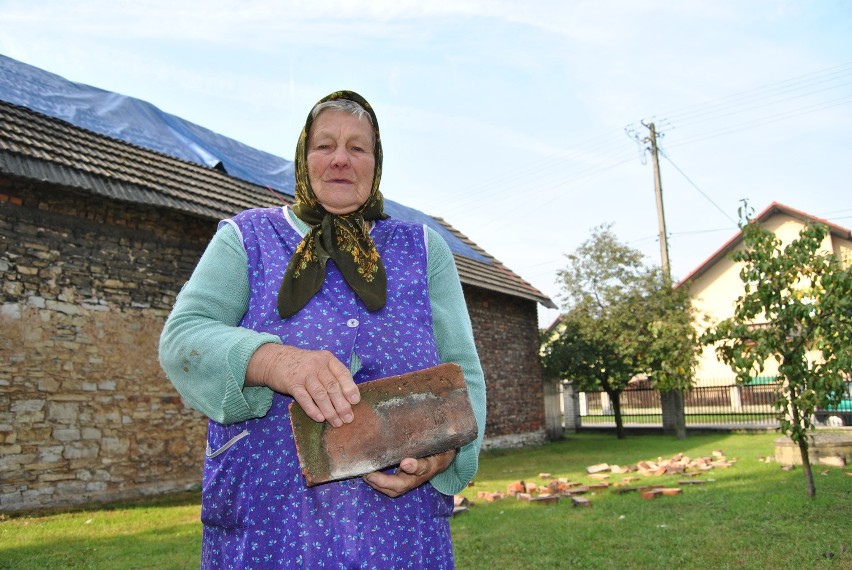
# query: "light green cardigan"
[205,352]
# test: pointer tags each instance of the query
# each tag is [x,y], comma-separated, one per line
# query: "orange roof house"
[715,285]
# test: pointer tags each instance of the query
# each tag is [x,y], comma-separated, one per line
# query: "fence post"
[553,409]
[674,419]
[606,404]
[736,399]
[571,407]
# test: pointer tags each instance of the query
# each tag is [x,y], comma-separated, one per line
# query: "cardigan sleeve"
[203,350]
[454,337]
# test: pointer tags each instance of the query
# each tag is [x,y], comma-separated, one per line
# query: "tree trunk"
[615,398]
[800,436]
[806,466]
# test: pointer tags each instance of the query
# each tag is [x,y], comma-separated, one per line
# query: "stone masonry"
[86,414]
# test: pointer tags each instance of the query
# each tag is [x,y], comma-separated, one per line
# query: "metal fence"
[708,405]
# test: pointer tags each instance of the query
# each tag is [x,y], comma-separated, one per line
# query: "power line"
[552,176]
[548,188]
[694,185]
[843,211]
[713,231]
[753,105]
[762,92]
[763,98]
[545,170]
[764,121]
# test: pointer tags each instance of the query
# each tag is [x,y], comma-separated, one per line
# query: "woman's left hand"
[411,473]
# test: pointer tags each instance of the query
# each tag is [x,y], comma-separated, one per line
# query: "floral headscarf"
[345,238]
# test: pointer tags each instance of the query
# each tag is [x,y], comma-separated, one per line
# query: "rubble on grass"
[690,470]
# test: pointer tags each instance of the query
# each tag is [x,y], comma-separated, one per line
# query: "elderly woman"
[305,303]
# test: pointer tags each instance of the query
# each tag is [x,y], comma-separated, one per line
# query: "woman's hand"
[319,382]
[411,473]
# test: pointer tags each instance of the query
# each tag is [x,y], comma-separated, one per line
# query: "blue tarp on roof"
[143,124]
[139,123]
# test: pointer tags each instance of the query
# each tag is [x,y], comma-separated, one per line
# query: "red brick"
[410,415]
[490,497]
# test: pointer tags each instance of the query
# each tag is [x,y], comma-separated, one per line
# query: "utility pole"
[658,190]
[673,405]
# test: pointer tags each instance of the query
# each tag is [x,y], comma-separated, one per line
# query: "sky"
[523,124]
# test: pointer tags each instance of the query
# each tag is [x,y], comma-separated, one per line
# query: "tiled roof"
[38,147]
[43,148]
[494,276]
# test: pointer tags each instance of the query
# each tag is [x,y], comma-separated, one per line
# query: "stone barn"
[97,236]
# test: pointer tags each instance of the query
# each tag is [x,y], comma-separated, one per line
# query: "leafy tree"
[797,312]
[623,319]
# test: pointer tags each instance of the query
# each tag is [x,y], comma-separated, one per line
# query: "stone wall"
[86,414]
[506,332]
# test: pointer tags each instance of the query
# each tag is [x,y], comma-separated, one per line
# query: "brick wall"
[506,332]
[86,414]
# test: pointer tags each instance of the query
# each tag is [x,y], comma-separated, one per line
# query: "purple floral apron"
[257,511]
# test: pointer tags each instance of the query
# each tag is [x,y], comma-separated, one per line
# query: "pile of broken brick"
[551,489]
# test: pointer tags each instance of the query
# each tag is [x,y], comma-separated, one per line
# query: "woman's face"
[340,160]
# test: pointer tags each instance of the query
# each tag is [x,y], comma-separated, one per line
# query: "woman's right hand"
[317,380]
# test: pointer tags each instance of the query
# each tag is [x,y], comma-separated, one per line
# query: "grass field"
[751,515]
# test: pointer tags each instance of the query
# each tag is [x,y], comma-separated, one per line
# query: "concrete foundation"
[828,448]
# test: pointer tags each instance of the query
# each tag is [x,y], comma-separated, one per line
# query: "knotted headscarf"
[345,238]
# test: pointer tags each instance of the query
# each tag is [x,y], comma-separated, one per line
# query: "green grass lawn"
[159,534]
[751,515]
